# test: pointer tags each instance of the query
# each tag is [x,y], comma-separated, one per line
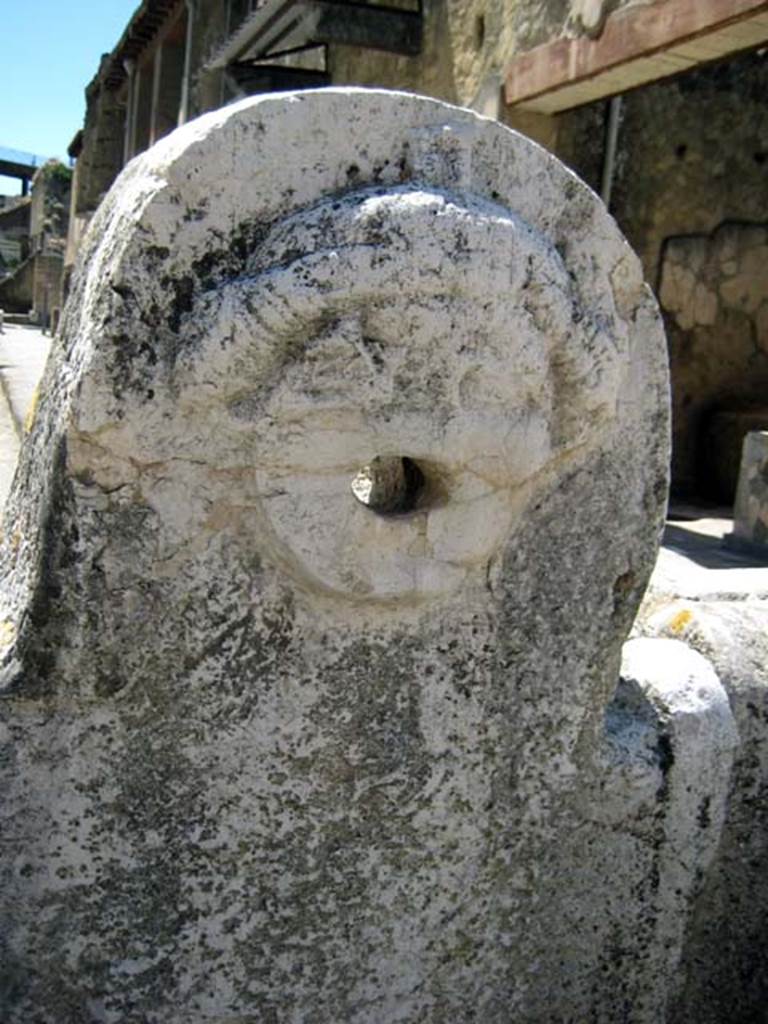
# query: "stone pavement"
[23,351]
[692,564]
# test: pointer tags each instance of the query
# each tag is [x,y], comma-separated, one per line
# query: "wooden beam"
[145,24]
[638,45]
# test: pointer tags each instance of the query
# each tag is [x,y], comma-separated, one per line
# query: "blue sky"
[50,52]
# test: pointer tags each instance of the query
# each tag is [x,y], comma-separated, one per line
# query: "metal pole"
[184,105]
[130,67]
[611,140]
[157,71]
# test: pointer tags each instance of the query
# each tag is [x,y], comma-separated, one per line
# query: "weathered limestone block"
[344,488]
[750,513]
[669,749]
[724,970]
[723,440]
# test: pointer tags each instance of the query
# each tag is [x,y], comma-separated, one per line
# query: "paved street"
[692,563]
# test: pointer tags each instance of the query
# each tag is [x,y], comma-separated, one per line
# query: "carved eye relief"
[389,485]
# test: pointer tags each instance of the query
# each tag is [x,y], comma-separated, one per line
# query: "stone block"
[723,973]
[750,513]
[722,441]
[669,748]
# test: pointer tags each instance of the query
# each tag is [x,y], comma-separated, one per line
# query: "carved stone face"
[316,758]
[410,324]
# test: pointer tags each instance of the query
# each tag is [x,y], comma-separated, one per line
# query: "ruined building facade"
[681,158]
[37,227]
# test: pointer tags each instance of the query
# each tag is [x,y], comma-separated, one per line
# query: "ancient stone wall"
[49,210]
[16,290]
[47,286]
[714,290]
[208,88]
[690,180]
[692,154]
[463,44]
[101,156]
[14,222]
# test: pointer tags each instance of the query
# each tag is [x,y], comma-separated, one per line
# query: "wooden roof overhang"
[638,45]
[147,21]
